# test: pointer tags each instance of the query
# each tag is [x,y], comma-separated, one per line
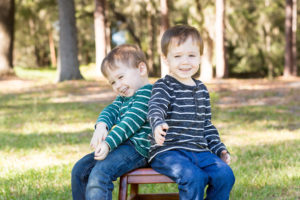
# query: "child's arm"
[133,120]
[158,106]
[210,132]
[110,113]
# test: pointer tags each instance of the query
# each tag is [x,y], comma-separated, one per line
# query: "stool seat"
[144,176]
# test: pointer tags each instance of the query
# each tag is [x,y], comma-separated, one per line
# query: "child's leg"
[80,175]
[118,162]
[177,165]
[221,177]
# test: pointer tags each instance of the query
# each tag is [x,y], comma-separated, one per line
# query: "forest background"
[256,38]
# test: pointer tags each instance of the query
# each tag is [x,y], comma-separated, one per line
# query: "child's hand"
[101,151]
[99,135]
[225,156]
[160,132]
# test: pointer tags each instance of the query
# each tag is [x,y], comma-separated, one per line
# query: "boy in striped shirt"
[120,139]
[185,145]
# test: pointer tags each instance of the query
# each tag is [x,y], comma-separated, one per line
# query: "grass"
[45,128]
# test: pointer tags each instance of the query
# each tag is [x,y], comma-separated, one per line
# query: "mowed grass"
[46,127]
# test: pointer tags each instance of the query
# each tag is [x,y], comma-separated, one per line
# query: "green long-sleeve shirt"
[126,118]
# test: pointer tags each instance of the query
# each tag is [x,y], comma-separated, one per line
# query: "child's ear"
[164,59]
[143,68]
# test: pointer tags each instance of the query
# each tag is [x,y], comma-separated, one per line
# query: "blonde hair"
[129,54]
[181,33]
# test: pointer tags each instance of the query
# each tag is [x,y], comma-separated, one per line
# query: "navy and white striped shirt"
[186,110]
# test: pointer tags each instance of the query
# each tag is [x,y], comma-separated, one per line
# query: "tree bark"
[68,64]
[7,13]
[100,33]
[294,38]
[221,71]
[288,55]
[164,25]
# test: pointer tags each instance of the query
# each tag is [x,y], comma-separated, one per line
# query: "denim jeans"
[192,171]
[92,179]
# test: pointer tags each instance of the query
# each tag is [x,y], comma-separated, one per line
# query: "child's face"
[183,60]
[125,80]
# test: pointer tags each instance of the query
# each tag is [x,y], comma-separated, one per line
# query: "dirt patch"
[237,93]
[231,92]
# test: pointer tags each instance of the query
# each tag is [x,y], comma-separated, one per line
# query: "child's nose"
[185,60]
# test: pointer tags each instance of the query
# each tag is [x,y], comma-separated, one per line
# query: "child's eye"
[192,55]
[112,83]
[120,77]
[177,56]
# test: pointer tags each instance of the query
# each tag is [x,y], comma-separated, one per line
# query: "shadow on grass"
[271,117]
[50,113]
[41,141]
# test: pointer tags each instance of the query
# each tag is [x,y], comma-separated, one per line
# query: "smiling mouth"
[185,69]
[124,91]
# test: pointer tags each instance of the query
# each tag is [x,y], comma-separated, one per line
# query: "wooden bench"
[144,176]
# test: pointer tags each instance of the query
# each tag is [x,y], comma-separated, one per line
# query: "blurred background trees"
[260,38]
[7,13]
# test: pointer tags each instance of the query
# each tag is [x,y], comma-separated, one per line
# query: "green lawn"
[46,127]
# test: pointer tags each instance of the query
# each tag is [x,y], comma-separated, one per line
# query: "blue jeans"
[192,171]
[92,179]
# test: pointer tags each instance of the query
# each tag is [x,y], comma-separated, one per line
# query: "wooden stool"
[144,176]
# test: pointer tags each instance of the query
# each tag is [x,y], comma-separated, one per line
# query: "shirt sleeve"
[132,121]
[158,104]
[110,113]
[210,132]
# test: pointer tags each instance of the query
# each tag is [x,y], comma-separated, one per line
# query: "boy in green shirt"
[121,133]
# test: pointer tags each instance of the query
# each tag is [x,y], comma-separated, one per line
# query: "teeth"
[124,90]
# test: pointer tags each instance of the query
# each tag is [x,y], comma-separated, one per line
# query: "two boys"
[184,143]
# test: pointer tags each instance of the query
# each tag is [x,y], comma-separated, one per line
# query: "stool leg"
[134,191]
[123,188]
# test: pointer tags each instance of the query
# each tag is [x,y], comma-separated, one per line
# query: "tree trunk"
[100,33]
[52,48]
[68,66]
[164,25]
[7,13]
[206,72]
[221,71]
[268,49]
[107,30]
[288,56]
[151,39]
[294,38]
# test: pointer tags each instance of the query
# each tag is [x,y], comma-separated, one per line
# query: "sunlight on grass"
[89,72]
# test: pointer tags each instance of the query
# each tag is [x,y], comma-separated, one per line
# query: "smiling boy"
[121,132]
[185,144]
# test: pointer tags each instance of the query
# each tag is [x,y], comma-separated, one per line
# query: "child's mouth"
[185,69]
[124,91]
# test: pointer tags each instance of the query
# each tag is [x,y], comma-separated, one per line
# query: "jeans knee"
[194,178]
[224,177]
[76,172]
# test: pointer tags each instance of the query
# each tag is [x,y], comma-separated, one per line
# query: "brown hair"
[126,53]
[180,32]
